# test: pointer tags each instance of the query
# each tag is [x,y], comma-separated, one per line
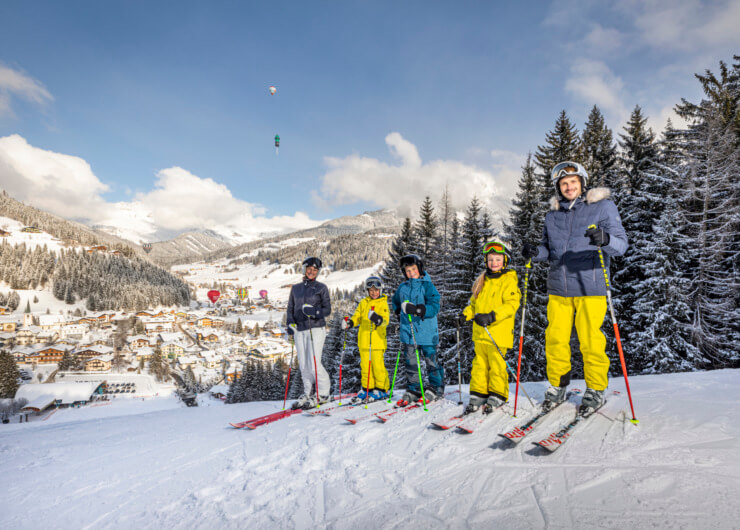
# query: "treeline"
[58,227]
[108,282]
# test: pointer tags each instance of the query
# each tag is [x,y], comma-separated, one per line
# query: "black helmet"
[412,259]
[311,262]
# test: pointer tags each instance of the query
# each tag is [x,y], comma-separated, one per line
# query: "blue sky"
[378,103]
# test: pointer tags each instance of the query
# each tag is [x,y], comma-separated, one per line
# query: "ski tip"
[352,421]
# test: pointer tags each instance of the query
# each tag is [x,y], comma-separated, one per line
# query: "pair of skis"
[556,439]
[466,423]
[275,416]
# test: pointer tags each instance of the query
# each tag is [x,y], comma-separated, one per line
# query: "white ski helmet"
[569,169]
[374,281]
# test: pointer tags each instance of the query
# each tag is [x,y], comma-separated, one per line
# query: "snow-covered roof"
[50,320]
[68,393]
[102,350]
[137,337]
[102,358]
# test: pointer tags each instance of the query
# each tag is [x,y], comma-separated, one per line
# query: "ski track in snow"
[174,467]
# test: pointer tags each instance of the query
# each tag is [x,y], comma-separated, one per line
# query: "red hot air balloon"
[213,296]
[263,293]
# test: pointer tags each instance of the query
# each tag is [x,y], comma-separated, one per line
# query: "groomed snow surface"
[157,464]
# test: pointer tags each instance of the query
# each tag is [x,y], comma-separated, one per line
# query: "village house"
[172,350]
[21,353]
[88,352]
[30,230]
[232,374]
[187,361]
[73,330]
[42,396]
[158,325]
[52,321]
[4,233]
[138,341]
[27,335]
[47,337]
[99,364]
[4,310]
[47,355]
[208,337]
[211,359]
[8,324]
[204,322]
[145,353]
[217,323]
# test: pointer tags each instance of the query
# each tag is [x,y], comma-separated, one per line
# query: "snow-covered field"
[271,277]
[168,466]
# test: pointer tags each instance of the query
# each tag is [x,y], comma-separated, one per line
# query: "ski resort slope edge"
[175,467]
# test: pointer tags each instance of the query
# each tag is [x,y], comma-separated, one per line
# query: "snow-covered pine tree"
[599,151]
[525,226]
[710,210]
[641,202]
[9,375]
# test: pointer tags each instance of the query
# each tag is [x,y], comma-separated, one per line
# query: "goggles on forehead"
[567,169]
[494,246]
[373,283]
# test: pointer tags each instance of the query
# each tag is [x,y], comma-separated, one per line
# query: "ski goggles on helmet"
[495,246]
[568,169]
[374,282]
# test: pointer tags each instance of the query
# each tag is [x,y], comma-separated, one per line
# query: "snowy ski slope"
[172,467]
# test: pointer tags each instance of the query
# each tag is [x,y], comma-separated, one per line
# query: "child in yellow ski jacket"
[372,316]
[492,308]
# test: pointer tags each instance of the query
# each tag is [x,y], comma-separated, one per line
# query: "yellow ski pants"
[588,312]
[488,374]
[378,374]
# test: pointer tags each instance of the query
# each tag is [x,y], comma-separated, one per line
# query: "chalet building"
[210,358]
[4,310]
[99,248]
[187,361]
[145,353]
[21,353]
[172,350]
[99,364]
[88,352]
[26,336]
[47,355]
[42,396]
[47,337]
[232,374]
[47,322]
[208,337]
[3,233]
[143,314]
[8,325]
[139,341]
[116,253]
[73,330]
[204,322]
[30,230]
[217,323]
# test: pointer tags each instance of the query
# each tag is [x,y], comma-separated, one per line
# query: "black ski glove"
[485,319]
[375,318]
[529,251]
[415,310]
[310,311]
[598,237]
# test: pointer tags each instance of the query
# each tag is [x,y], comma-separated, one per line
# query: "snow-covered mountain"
[158,464]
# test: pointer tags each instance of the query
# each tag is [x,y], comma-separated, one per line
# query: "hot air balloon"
[242,294]
[263,293]
[277,143]
[272,90]
[147,247]
[213,296]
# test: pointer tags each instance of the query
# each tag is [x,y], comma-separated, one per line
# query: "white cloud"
[62,184]
[688,24]
[355,178]
[66,185]
[595,84]
[603,40]
[18,84]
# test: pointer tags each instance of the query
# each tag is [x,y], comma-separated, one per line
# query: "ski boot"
[408,398]
[591,402]
[378,395]
[309,404]
[554,396]
[474,405]
[300,402]
[493,402]
[324,399]
[360,397]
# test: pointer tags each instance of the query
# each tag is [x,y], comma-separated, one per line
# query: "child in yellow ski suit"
[493,306]
[372,316]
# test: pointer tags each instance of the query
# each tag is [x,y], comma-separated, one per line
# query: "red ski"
[262,420]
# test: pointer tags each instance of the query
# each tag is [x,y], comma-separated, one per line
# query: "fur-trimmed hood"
[592,196]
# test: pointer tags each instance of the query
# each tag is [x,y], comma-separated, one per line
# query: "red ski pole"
[616,332]
[521,335]
[287,383]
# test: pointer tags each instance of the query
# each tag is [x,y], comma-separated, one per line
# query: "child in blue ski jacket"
[419,299]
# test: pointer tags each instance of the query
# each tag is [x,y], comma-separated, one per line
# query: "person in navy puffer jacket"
[308,306]
[418,298]
[575,228]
